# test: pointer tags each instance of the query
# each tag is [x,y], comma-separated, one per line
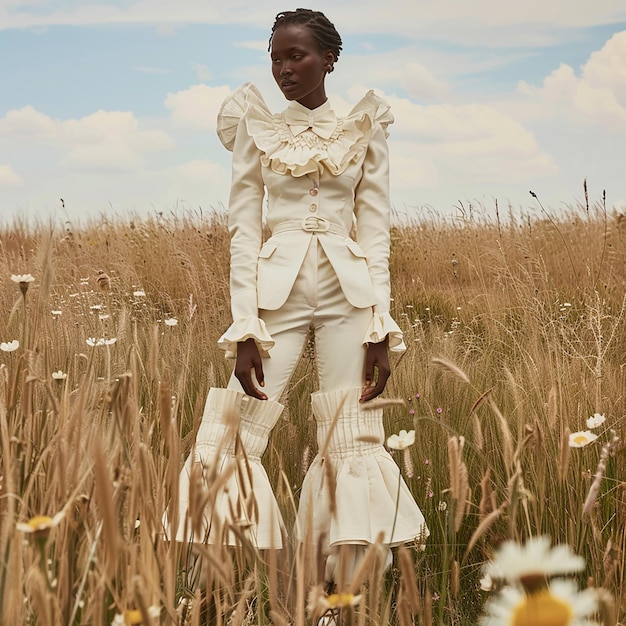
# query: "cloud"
[28,124]
[105,140]
[196,108]
[533,22]
[597,96]
[606,68]
[8,177]
[392,71]
[467,143]
[110,140]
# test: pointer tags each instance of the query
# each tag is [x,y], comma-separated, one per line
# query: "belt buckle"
[315,224]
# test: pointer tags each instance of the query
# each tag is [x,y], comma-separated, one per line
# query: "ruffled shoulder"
[234,107]
[350,145]
[374,107]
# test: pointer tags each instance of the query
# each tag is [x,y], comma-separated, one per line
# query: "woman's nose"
[285,70]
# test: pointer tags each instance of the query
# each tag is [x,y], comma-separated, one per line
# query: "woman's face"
[299,66]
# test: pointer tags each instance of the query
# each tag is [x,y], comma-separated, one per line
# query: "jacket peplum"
[319,176]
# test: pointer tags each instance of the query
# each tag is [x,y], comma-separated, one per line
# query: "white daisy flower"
[402,440]
[93,342]
[581,438]
[512,561]
[56,312]
[560,604]
[140,293]
[22,278]
[172,321]
[40,525]
[486,583]
[9,346]
[597,419]
[59,375]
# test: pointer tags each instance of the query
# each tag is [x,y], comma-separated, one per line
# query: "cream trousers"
[316,301]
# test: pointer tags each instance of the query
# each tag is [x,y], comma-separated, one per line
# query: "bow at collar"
[322,121]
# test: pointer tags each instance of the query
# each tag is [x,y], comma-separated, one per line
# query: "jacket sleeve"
[245,228]
[372,210]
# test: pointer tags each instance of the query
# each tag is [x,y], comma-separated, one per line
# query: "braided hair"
[322,29]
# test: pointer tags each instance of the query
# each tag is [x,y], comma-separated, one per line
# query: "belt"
[311,224]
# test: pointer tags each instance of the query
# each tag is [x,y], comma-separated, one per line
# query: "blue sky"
[111,105]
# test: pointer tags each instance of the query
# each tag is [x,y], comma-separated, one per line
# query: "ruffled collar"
[288,148]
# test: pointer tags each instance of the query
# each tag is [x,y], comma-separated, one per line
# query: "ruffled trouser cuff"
[224,469]
[362,493]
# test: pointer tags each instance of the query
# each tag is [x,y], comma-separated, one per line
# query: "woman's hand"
[376,361]
[248,359]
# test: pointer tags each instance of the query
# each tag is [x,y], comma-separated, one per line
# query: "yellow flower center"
[542,609]
[580,439]
[39,522]
[340,600]
[133,617]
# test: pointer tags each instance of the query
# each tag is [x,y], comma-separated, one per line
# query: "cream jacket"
[325,177]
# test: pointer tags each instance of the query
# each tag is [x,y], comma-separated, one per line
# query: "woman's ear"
[329,61]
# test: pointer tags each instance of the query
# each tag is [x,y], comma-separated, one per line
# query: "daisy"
[133,616]
[9,346]
[536,559]
[140,293]
[172,321]
[22,278]
[59,375]
[486,583]
[402,440]
[40,525]
[325,607]
[340,600]
[560,604]
[581,438]
[92,341]
[596,420]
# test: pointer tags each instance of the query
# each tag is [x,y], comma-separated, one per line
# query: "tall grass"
[515,332]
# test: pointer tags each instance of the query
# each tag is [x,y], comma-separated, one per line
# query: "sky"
[108,107]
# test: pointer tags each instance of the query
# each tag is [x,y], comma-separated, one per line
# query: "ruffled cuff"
[243,329]
[381,326]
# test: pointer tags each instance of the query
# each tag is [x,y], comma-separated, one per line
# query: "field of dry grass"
[516,334]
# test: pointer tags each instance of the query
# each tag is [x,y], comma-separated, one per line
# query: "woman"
[325,176]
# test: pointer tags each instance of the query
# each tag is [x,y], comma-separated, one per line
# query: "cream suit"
[324,178]
[319,182]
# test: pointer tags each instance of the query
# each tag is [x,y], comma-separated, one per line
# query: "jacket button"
[313,208]
[314,191]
